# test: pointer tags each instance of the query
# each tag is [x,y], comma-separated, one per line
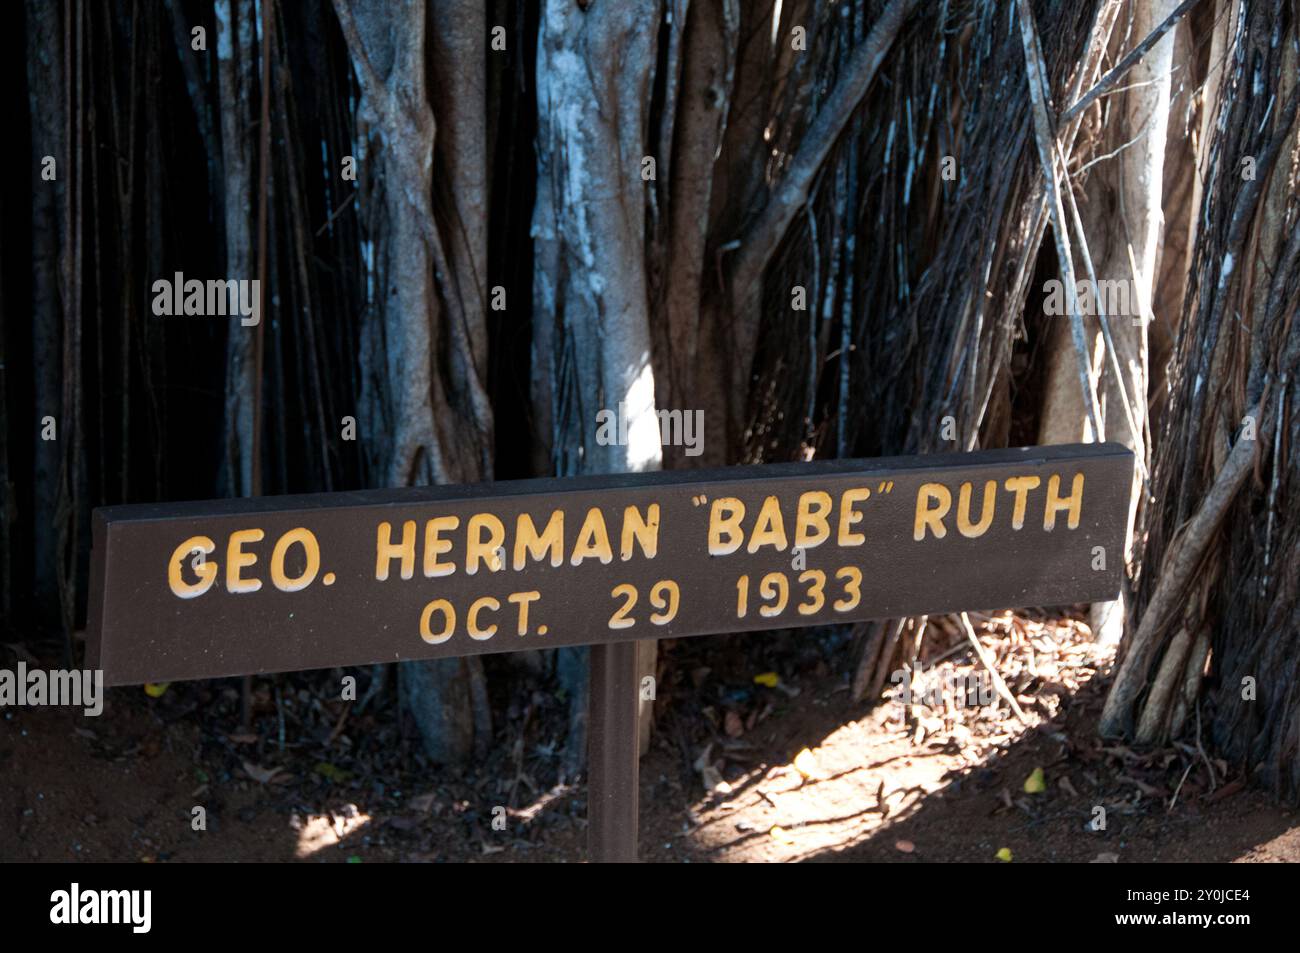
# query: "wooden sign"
[273,584]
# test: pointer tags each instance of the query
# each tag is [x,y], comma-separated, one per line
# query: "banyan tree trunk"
[592,348]
[1215,642]
[1120,211]
[425,416]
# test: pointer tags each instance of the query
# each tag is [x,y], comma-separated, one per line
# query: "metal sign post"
[614,756]
[275,584]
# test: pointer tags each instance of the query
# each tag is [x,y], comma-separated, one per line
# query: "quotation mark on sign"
[886,486]
[699,500]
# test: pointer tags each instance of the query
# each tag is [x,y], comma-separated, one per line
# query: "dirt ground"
[760,754]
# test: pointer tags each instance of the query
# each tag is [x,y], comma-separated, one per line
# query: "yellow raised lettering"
[305,538]
[386,551]
[931,517]
[964,525]
[449,614]
[435,546]
[480,548]
[471,620]
[528,542]
[1073,504]
[237,559]
[769,528]
[642,530]
[850,517]
[811,528]
[207,572]
[593,539]
[1020,486]
[725,534]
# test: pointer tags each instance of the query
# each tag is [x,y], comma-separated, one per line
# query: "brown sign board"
[272,584]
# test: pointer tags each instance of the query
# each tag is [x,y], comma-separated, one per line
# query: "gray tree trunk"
[592,343]
[1122,221]
[236,63]
[420,425]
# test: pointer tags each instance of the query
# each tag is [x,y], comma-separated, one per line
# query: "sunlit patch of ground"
[1282,849]
[316,832]
[865,777]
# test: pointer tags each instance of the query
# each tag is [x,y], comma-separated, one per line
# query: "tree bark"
[236,65]
[423,425]
[591,306]
[1218,595]
[1122,221]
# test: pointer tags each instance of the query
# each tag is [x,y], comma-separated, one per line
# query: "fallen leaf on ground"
[1036,783]
[1227,791]
[332,772]
[781,834]
[805,762]
[709,773]
[713,782]
[260,774]
[1148,789]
